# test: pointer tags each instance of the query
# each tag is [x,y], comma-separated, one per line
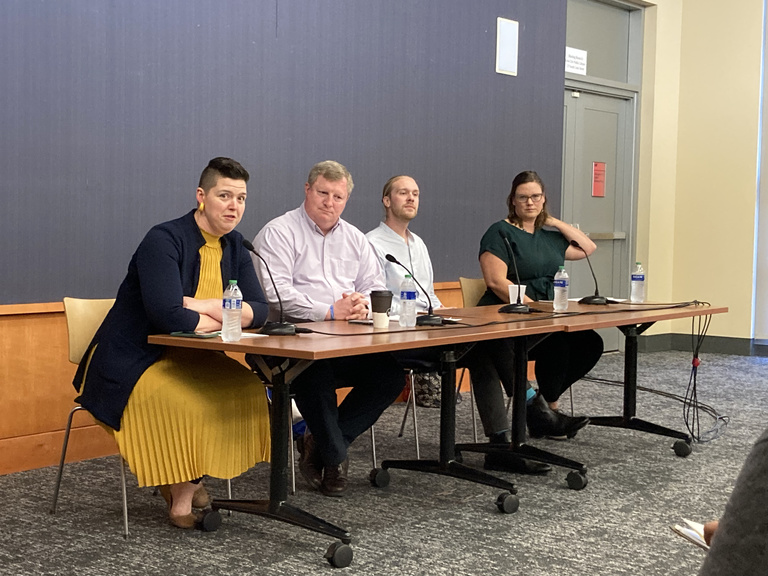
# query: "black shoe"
[310,464]
[335,479]
[543,421]
[509,462]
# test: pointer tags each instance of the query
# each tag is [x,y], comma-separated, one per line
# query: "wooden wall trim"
[41,450]
[36,308]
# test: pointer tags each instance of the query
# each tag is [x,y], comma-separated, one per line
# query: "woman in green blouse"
[561,358]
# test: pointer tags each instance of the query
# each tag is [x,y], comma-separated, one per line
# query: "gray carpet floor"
[427,524]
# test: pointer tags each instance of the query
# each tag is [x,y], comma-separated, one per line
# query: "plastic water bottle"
[561,290]
[637,284]
[231,313]
[408,302]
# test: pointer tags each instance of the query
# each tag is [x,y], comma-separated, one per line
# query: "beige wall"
[698,155]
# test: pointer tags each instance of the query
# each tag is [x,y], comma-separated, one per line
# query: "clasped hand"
[352,306]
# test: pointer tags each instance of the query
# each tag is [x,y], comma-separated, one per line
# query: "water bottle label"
[561,283]
[232,304]
[407,295]
[638,277]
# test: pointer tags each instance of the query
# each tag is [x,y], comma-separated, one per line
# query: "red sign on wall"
[598,179]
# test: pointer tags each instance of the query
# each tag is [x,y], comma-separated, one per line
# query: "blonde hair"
[332,171]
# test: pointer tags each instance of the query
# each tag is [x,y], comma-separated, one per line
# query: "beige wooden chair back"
[472,289]
[83,319]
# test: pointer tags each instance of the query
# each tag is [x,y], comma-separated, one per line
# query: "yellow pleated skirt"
[194,413]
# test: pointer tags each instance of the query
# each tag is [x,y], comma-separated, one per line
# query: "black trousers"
[563,358]
[376,381]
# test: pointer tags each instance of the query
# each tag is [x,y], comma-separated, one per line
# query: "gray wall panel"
[109,111]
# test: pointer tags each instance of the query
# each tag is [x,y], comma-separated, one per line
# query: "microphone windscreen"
[248,246]
[575,244]
[391,258]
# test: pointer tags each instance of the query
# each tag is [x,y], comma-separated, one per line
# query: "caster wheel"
[211,521]
[507,503]
[339,555]
[379,477]
[576,480]
[682,448]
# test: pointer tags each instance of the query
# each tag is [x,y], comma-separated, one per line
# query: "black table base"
[276,507]
[447,465]
[628,420]
[518,445]
[284,512]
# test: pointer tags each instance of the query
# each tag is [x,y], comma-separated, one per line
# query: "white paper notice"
[575,61]
[506,46]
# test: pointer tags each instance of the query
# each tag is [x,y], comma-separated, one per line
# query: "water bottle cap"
[231,282]
[408,276]
[562,267]
[638,264]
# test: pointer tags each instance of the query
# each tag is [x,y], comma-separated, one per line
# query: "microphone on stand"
[281,328]
[430,319]
[596,299]
[514,307]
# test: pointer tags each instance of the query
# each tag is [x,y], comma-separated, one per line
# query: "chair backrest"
[472,289]
[83,319]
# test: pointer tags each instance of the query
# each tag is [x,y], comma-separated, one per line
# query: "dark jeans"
[488,362]
[376,381]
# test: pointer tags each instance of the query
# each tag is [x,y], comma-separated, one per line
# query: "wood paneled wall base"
[36,388]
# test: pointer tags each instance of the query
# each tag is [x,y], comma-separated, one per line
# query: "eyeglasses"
[535,198]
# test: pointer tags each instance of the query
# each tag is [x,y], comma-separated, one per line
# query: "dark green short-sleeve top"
[538,257]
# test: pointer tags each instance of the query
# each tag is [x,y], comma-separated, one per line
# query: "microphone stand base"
[515,309]
[429,320]
[599,300]
[278,329]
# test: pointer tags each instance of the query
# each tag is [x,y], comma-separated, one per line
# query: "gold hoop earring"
[201,206]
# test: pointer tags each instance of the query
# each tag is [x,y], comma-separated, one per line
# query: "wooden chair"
[83,319]
[472,289]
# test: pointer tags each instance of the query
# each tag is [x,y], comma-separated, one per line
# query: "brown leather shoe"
[335,479]
[187,521]
[310,463]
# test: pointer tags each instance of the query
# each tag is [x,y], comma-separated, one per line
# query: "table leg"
[518,445]
[447,465]
[276,507]
[628,420]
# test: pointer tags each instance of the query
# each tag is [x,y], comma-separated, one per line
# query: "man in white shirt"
[324,269]
[401,203]
[488,361]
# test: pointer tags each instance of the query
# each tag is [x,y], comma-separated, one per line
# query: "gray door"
[599,133]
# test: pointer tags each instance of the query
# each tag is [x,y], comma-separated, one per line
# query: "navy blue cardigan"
[164,269]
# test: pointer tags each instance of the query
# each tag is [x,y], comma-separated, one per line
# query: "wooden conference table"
[338,339]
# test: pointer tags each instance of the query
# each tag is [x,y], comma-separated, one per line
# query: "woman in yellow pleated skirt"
[178,415]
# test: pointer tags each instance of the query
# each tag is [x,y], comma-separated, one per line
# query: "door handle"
[607,235]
